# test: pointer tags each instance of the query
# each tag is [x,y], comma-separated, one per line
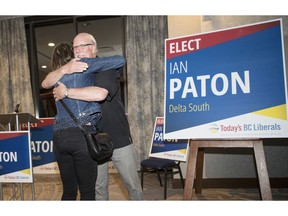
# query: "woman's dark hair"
[61,55]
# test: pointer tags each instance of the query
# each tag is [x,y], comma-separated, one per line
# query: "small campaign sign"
[15,157]
[43,157]
[173,149]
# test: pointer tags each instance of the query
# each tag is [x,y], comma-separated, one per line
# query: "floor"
[49,187]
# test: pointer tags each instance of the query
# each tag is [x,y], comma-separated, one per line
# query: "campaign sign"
[43,157]
[15,157]
[173,149]
[226,84]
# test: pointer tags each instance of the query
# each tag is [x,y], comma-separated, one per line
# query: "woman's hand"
[74,66]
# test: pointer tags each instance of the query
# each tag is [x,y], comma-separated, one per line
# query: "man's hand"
[58,91]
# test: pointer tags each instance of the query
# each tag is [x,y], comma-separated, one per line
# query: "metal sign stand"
[197,159]
[15,119]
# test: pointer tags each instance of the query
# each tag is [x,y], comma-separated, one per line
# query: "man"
[113,121]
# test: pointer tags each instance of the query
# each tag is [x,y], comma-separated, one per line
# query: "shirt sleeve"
[110,81]
[103,64]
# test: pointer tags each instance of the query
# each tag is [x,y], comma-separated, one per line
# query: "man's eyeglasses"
[81,46]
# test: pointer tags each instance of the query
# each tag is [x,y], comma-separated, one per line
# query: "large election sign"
[173,149]
[15,157]
[227,84]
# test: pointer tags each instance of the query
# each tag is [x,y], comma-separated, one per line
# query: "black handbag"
[99,144]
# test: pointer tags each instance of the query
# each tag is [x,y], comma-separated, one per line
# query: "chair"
[169,167]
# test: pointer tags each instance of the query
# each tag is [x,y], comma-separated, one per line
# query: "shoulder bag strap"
[72,116]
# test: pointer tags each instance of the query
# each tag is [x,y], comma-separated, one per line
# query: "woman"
[77,169]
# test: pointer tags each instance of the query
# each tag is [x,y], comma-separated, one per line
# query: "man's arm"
[71,67]
[90,93]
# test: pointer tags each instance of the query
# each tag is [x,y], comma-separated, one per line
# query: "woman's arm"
[71,67]
[104,63]
[90,93]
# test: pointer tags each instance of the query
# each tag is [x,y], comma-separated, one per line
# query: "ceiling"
[107,30]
